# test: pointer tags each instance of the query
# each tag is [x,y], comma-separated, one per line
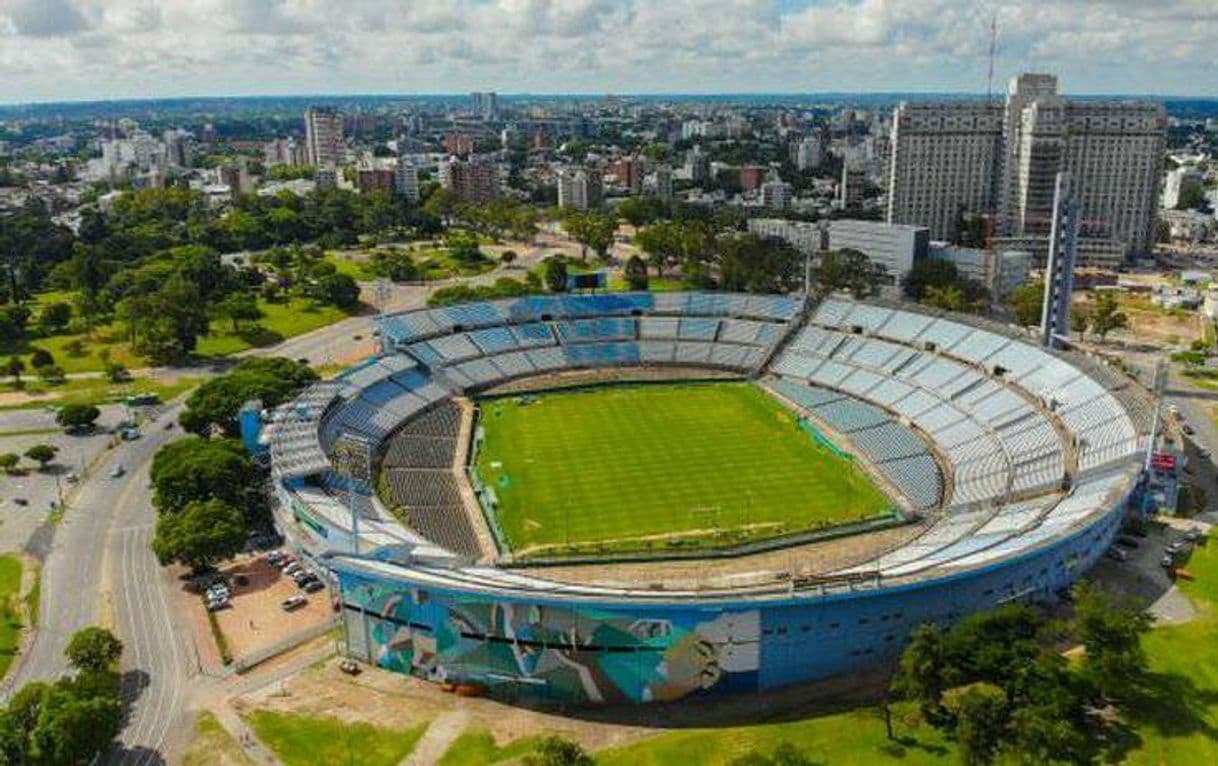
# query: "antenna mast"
[989,82]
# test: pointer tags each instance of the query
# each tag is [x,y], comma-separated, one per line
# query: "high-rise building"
[406,181]
[472,180]
[629,173]
[177,148]
[460,144]
[579,188]
[323,136]
[850,190]
[775,192]
[809,153]
[375,180]
[751,177]
[952,159]
[663,186]
[944,161]
[697,165]
[486,104]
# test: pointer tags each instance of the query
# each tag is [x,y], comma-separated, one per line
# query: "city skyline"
[68,50]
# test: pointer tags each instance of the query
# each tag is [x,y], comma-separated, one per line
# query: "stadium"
[640,497]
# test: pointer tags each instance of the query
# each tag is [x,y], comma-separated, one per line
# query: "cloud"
[125,48]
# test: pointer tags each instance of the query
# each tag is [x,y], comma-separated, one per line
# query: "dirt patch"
[256,620]
[15,398]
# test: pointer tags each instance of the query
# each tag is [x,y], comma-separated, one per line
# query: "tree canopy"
[196,469]
[199,534]
[216,403]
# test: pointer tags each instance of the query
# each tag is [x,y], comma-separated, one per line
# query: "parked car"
[293,602]
[1116,553]
[1128,541]
[1194,535]
[291,570]
[216,604]
[1167,562]
[1176,548]
[118,471]
[21,501]
[313,586]
[349,666]
[1188,430]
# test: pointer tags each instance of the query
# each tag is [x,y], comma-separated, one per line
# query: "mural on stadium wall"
[573,653]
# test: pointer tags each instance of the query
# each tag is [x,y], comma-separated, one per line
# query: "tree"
[554,272]
[93,650]
[1106,315]
[640,211]
[1027,301]
[508,257]
[51,373]
[558,751]
[199,534]
[748,263]
[14,368]
[981,713]
[215,404]
[1080,318]
[394,265]
[40,357]
[239,307]
[848,270]
[42,454]
[928,273]
[191,470]
[947,298]
[922,671]
[636,273]
[661,242]
[339,290]
[77,417]
[72,728]
[9,461]
[1111,629]
[54,317]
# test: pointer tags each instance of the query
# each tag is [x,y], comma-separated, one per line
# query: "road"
[100,570]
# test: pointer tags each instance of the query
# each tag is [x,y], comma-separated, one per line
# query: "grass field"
[11,619]
[299,740]
[654,467]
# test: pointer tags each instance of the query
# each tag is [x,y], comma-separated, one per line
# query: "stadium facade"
[1018,461]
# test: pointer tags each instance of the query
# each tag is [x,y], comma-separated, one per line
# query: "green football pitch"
[653,467]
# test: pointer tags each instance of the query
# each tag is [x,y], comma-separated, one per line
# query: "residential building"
[809,153]
[406,180]
[893,246]
[1000,271]
[629,173]
[459,144]
[854,179]
[374,180]
[579,188]
[323,136]
[807,238]
[775,192]
[751,177]
[663,183]
[697,165]
[472,180]
[1175,181]
[326,178]
[283,151]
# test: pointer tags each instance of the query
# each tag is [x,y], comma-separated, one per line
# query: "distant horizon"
[997,94]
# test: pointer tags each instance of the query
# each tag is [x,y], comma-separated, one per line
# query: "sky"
[53,50]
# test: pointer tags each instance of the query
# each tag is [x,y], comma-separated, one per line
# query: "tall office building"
[663,187]
[775,192]
[1003,160]
[486,104]
[323,136]
[579,189]
[809,153]
[472,180]
[854,179]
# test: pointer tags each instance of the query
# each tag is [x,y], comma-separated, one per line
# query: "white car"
[118,471]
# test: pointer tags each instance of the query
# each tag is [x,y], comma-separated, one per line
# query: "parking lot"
[1142,572]
[254,618]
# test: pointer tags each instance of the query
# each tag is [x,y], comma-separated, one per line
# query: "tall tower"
[1059,270]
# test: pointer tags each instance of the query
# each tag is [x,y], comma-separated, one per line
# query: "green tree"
[215,404]
[191,470]
[640,211]
[558,751]
[928,273]
[749,263]
[636,273]
[394,265]
[1080,318]
[77,417]
[42,454]
[239,307]
[1027,301]
[72,729]
[1111,630]
[554,273]
[1106,315]
[54,317]
[339,290]
[94,650]
[40,357]
[946,298]
[199,534]
[981,712]
[9,461]
[662,244]
[848,270]
[13,368]
[922,672]
[51,374]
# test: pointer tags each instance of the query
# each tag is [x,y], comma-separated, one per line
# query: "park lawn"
[854,737]
[477,747]
[11,617]
[353,263]
[279,322]
[618,284]
[214,746]
[299,740]
[1177,718]
[436,263]
[636,467]
[92,391]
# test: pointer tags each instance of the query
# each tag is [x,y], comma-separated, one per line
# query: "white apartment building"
[323,136]
[1003,159]
[579,188]
[406,180]
[893,246]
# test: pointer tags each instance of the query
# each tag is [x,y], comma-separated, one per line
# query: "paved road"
[100,570]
